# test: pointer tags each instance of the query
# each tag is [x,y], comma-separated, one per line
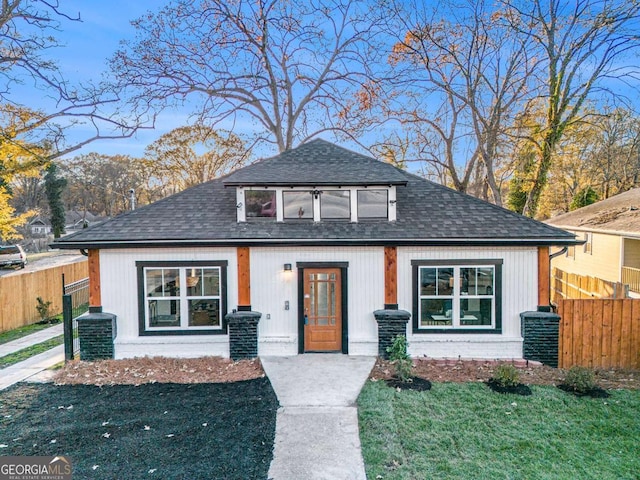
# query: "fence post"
[67,316]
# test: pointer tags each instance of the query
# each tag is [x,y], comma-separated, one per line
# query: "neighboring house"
[76,220]
[317,239]
[611,232]
[40,227]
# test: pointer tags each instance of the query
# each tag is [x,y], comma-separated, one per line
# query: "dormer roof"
[317,163]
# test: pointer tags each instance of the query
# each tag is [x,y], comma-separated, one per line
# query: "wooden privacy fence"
[599,333]
[570,285]
[18,293]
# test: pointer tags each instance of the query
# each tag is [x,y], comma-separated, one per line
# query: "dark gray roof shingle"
[317,162]
[427,213]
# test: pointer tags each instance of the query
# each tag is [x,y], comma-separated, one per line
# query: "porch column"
[544,294]
[95,298]
[390,278]
[244,279]
[96,329]
[243,324]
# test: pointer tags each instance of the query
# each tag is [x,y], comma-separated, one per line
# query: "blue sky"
[86,46]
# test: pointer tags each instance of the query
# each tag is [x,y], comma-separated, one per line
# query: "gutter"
[400,242]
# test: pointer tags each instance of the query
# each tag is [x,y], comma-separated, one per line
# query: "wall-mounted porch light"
[287,267]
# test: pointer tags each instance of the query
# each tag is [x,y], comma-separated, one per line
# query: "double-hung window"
[182,297]
[457,296]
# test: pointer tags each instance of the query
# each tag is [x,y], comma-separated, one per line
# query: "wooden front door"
[322,310]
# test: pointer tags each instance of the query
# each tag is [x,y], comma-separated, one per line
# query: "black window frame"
[476,262]
[142,328]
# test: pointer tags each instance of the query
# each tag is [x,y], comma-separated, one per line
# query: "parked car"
[12,255]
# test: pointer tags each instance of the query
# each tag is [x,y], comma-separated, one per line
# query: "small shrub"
[506,376]
[398,348]
[580,379]
[399,357]
[44,309]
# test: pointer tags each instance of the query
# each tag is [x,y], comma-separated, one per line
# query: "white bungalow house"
[317,239]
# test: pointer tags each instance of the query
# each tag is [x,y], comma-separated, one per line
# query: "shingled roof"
[619,214]
[427,213]
[314,163]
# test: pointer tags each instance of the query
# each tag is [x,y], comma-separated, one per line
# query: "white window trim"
[184,300]
[353,218]
[455,300]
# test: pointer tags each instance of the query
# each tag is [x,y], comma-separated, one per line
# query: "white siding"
[519,294]
[118,279]
[271,286]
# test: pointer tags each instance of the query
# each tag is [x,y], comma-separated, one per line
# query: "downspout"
[562,251]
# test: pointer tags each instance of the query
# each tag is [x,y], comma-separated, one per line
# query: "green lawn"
[31,351]
[27,330]
[465,431]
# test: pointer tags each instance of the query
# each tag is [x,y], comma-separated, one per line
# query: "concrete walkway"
[32,368]
[27,369]
[32,339]
[317,434]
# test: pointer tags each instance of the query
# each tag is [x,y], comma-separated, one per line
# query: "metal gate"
[75,302]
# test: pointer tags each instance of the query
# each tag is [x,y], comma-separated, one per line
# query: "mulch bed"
[520,389]
[137,371]
[596,392]
[416,384]
[454,370]
[156,430]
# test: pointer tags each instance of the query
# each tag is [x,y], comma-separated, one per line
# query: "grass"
[160,430]
[463,431]
[28,352]
[17,333]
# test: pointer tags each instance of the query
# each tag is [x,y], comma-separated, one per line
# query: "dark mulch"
[520,389]
[417,384]
[596,392]
[161,430]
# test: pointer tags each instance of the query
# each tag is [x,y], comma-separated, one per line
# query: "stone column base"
[391,323]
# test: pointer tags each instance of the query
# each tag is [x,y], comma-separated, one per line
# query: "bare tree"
[289,68]
[467,76]
[582,44]
[27,33]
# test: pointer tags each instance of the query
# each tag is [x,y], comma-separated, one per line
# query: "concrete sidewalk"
[32,339]
[34,365]
[317,435]
[31,366]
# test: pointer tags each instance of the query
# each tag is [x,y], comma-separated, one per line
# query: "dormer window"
[297,205]
[316,203]
[335,205]
[260,204]
[373,203]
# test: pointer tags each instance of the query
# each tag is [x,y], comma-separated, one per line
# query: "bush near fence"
[18,293]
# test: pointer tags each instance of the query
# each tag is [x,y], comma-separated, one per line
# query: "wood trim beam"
[244,276]
[544,294]
[95,297]
[390,275]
